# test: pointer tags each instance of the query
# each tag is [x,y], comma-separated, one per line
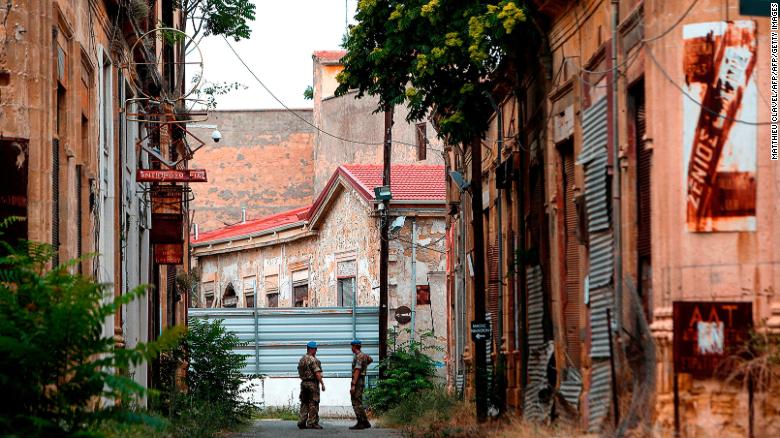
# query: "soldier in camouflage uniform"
[310,372]
[359,367]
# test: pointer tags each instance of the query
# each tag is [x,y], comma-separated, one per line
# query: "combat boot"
[315,426]
[366,424]
[358,426]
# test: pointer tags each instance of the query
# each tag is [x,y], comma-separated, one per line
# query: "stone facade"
[338,242]
[63,85]
[659,260]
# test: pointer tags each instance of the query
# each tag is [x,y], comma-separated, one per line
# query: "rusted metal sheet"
[594,158]
[706,333]
[600,254]
[276,338]
[600,301]
[720,155]
[571,386]
[539,350]
[598,396]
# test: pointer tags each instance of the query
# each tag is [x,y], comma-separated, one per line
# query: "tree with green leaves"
[61,374]
[228,18]
[438,58]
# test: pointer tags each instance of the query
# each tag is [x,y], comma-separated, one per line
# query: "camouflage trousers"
[357,402]
[310,404]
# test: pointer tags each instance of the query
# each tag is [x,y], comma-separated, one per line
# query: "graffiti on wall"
[719,147]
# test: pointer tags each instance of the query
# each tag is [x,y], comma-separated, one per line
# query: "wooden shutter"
[55,193]
[571,306]
[644,158]
[494,283]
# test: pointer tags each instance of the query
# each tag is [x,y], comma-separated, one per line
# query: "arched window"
[229,298]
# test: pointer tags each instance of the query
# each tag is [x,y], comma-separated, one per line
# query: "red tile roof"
[329,55]
[254,226]
[408,182]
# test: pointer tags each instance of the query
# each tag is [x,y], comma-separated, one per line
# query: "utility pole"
[384,244]
[480,359]
[414,275]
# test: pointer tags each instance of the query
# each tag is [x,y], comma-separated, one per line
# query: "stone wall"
[263,163]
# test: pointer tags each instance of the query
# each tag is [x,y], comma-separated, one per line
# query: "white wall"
[284,391]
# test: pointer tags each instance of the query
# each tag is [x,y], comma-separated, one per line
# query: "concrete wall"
[354,119]
[263,163]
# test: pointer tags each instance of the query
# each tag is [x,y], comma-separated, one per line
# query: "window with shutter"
[572,282]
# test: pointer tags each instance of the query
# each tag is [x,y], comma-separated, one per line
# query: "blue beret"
[311,344]
[356,342]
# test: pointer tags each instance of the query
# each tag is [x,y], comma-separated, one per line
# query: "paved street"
[331,428]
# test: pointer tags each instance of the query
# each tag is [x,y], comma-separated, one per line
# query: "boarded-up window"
[423,294]
[346,292]
[272,290]
[272,299]
[422,145]
[208,293]
[300,288]
[249,291]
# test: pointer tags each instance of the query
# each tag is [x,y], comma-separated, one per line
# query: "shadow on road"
[331,428]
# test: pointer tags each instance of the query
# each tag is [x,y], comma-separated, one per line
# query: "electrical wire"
[317,128]
[676,23]
[693,99]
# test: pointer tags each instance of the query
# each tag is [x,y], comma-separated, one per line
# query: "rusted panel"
[598,396]
[706,333]
[720,155]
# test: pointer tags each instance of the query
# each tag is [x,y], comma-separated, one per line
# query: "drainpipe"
[500,193]
[243,215]
[414,273]
[616,195]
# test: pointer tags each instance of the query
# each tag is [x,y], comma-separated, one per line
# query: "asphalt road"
[331,428]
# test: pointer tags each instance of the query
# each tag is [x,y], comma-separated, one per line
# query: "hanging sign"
[167,228]
[168,253]
[166,200]
[171,175]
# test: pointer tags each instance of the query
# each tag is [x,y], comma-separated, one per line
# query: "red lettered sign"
[707,332]
[168,253]
[171,175]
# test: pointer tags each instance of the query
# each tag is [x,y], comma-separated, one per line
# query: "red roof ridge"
[255,225]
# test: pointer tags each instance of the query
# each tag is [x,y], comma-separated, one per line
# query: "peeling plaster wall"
[347,231]
[430,270]
[263,162]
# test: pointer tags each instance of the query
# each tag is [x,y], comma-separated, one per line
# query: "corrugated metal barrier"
[276,338]
[594,158]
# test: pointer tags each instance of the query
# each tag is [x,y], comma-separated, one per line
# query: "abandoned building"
[72,139]
[327,255]
[593,177]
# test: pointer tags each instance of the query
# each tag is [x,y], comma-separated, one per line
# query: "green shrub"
[59,374]
[212,400]
[408,369]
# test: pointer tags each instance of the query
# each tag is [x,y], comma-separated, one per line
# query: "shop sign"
[171,175]
[168,253]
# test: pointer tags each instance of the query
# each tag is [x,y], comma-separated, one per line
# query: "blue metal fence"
[276,338]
